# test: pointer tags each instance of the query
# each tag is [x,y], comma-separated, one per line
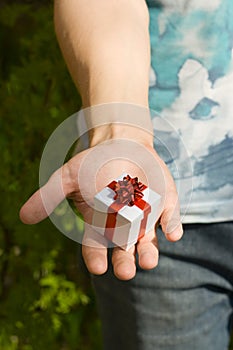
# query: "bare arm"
[105,44]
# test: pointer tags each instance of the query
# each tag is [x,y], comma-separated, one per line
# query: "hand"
[87,173]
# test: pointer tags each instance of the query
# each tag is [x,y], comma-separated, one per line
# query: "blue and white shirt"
[191,88]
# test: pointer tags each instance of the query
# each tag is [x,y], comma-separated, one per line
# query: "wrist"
[116,131]
[119,121]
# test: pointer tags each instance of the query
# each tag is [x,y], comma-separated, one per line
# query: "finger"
[94,250]
[124,263]
[170,219]
[147,249]
[44,201]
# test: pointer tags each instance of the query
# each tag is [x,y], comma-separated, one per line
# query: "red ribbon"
[128,192]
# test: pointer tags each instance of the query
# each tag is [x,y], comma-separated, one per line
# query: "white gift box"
[122,224]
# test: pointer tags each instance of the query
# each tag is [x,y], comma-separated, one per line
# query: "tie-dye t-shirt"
[191,89]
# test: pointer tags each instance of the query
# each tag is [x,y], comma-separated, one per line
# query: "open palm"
[90,171]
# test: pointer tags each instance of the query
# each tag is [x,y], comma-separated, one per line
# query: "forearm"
[105,44]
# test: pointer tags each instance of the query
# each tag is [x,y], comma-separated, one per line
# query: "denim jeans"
[186,303]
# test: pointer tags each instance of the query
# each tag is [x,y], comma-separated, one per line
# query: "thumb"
[41,204]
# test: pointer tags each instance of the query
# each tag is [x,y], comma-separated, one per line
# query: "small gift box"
[125,210]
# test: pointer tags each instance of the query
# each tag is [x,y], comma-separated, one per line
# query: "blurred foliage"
[46,301]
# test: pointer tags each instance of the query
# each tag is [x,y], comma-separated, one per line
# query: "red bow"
[128,190]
